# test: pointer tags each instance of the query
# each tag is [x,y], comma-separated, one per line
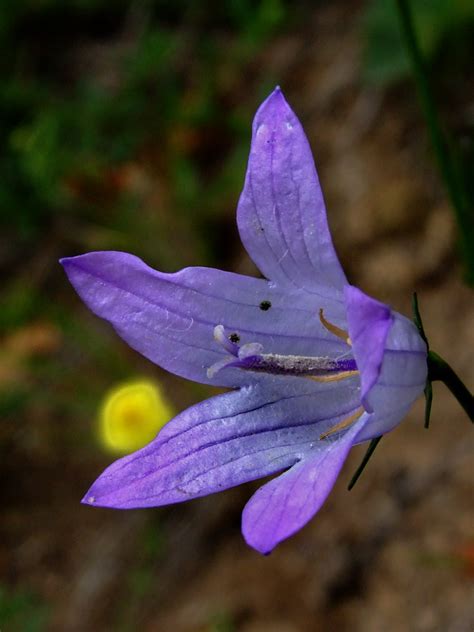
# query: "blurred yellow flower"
[131,415]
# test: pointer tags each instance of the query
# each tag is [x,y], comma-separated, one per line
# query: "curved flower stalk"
[316,365]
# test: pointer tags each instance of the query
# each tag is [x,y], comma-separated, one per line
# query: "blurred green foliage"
[21,610]
[432,41]
[143,575]
[221,621]
[93,83]
[438,23]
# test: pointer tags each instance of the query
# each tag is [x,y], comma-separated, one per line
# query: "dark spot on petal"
[265,306]
[235,338]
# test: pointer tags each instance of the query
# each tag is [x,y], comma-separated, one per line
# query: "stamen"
[334,329]
[344,423]
[335,377]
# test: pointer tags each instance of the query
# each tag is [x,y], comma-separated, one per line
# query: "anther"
[335,377]
[334,329]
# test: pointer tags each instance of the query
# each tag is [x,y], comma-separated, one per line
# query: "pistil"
[251,357]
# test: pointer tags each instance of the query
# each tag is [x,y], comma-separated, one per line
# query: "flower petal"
[391,357]
[369,322]
[281,213]
[221,442]
[284,505]
[401,379]
[170,318]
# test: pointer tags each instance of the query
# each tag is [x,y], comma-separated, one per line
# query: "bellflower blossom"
[315,364]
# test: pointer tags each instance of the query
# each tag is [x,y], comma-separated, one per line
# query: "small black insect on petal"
[235,338]
[265,306]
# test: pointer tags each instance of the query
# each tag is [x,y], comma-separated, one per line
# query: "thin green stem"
[459,199]
[440,370]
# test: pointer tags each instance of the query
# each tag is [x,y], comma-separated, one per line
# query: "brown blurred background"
[126,126]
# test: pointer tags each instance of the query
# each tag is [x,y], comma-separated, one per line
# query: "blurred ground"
[395,554]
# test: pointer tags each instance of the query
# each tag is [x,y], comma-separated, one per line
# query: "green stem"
[440,370]
[459,200]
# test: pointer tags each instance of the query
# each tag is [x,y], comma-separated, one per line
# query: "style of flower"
[316,365]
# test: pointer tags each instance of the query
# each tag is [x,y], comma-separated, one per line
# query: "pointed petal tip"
[72,266]
[68,265]
[274,106]
[64,261]
[88,499]
[277,97]
[88,255]
[68,262]
[94,500]
[264,548]
[262,542]
[107,490]
[95,496]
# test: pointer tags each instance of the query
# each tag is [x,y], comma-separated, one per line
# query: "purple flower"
[316,365]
